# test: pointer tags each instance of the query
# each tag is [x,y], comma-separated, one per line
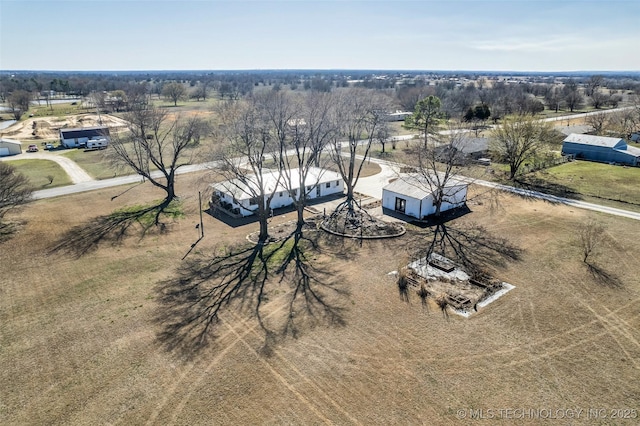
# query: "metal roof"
[603,141]
[631,150]
[12,141]
[416,186]
[85,131]
[242,191]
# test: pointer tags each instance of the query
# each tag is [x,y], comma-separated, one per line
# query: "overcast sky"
[515,35]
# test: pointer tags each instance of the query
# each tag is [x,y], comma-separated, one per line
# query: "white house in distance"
[79,137]
[10,147]
[410,195]
[236,197]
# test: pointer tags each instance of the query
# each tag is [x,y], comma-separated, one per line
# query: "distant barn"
[600,148]
[73,138]
[9,147]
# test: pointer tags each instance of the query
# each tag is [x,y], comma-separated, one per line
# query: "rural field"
[116,332]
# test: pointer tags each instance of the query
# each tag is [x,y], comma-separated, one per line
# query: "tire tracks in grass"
[546,341]
[171,391]
[291,367]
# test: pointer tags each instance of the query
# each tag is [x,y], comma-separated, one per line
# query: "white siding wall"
[71,143]
[456,197]
[283,198]
[412,207]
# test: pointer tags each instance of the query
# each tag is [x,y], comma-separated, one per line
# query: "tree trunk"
[300,211]
[512,172]
[263,219]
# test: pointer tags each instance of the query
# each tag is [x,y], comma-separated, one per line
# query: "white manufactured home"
[237,197]
[80,137]
[411,195]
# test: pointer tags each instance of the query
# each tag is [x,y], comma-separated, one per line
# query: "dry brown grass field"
[83,337]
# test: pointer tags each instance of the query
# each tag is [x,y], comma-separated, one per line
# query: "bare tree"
[517,140]
[592,85]
[246,145]
[357,115]
[554,98]
[15,189]
[19,102]
[572,96]
[383,134]
[599,99]
[625,122]
[598,121]
[154,141]
[200,92]
[309,130]
[591,235]
[174,91]
[438,168]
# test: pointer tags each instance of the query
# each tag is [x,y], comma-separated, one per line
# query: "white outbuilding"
[237,197]
[412,195]
[10,147]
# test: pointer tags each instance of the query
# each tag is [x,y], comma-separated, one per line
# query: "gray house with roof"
[601,148]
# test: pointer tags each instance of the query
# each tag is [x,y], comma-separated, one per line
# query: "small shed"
[600,148]
[77,137]
[10,147]
[412,195]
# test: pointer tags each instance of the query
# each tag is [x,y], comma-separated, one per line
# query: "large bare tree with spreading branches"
[246,152]
[357,115]
[15,189]
[155,146]
[518,139]
[438,167]
[308,132]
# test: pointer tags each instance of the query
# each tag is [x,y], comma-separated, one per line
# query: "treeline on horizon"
[503,93]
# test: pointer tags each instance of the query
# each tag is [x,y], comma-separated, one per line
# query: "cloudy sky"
[516,35]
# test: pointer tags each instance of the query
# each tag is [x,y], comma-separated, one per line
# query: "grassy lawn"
[38,172]
[88,339]
[94,163]
[615,186]
[57,110]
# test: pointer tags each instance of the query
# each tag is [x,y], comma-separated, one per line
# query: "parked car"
[48,146]
[32,148]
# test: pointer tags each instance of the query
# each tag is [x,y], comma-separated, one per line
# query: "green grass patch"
[278,252]
[616,186]
[57,110]
[94,163]
[146,214]
[41,172]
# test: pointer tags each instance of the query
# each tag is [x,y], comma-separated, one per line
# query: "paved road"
[371,186]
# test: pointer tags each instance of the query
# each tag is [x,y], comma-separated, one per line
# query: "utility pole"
[200,208]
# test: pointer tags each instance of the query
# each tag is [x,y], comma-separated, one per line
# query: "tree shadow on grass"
[241,281]
[316,296]
[112,228]
[603,277]
[471,246]
[533,183]
[8,230]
